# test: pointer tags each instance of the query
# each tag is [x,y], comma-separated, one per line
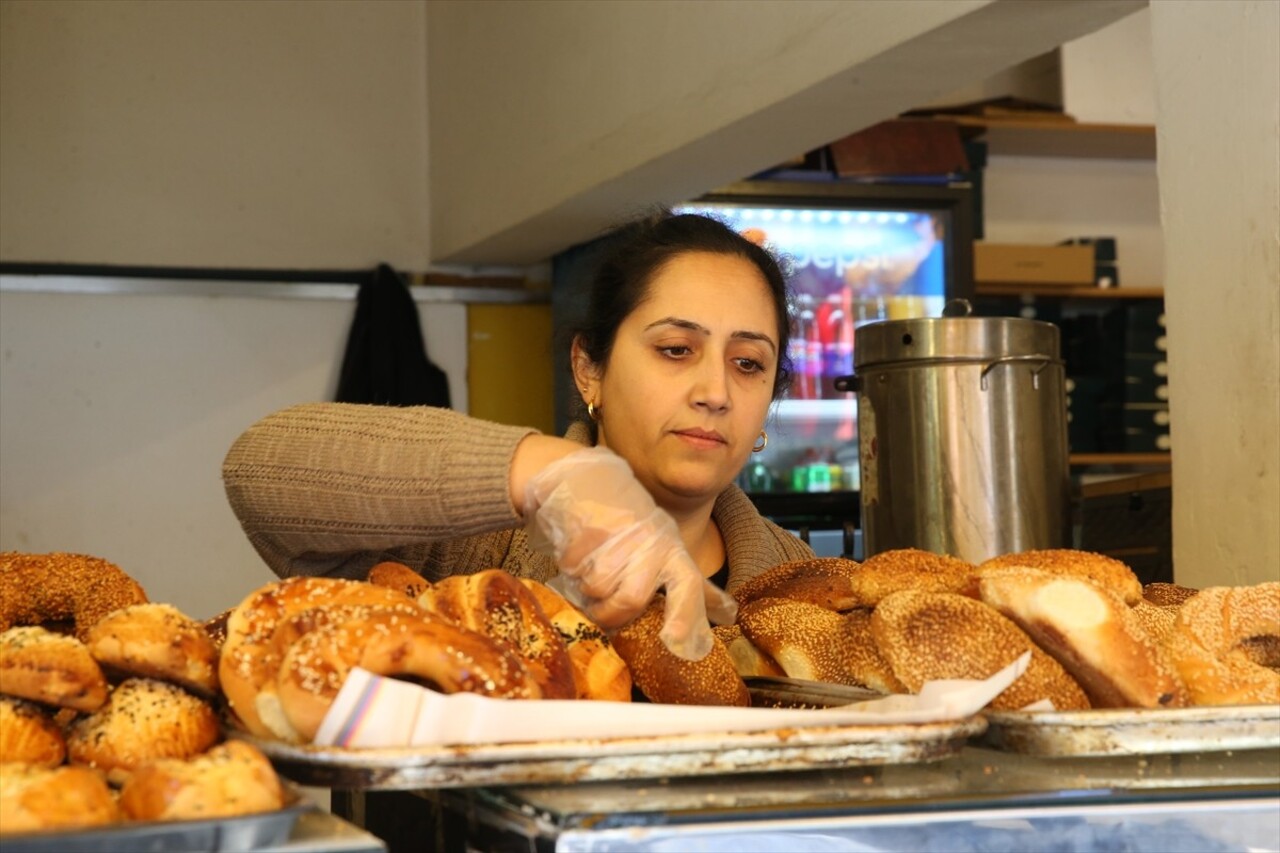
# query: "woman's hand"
[616,548]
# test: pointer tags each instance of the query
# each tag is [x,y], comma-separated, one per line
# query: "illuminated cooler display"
[855,254]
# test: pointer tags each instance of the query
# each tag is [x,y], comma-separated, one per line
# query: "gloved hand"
[616,548]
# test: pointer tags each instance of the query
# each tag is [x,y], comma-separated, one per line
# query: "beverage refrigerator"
[855,253]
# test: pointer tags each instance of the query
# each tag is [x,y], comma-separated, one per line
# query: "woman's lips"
[701,437]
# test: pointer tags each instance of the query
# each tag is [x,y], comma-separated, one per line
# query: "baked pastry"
[156,641]
[28,735]
[1107,572]
[424,648]
[815,644]
[51,668]
[233,778]
[927,636]
[143,720]
[495,603]
[1091,632]
[398,576]
[824,581]
[867,663]
[249,660]
[1156,620]
[1167,594]
[1222,640]
[747,659]
[910,568]
[38,588]
[599,672]
[664,677]
[43,799]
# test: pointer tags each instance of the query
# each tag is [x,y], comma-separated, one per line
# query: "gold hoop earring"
[764,442]
[593,412]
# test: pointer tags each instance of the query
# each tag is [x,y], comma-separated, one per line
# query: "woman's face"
[690,378]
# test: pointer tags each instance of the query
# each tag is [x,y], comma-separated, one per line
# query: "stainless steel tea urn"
[962,432]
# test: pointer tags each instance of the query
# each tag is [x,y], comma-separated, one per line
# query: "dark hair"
[641,248]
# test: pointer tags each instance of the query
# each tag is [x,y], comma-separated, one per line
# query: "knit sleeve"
[320,483]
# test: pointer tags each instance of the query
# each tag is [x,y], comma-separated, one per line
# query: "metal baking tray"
[805,748]
[1133,731]
[212,835]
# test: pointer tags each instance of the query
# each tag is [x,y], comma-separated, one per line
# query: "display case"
[981,799]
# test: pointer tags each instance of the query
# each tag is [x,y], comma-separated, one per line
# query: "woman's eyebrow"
[701,329]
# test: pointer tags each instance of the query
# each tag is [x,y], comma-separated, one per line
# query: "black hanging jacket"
[386,360]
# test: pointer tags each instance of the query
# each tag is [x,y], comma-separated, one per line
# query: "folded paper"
[371,711]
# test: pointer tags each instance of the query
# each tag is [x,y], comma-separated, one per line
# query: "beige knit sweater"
[333,488]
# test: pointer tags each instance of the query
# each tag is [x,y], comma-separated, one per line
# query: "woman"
[683,352]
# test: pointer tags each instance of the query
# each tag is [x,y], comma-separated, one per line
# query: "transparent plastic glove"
[615,549]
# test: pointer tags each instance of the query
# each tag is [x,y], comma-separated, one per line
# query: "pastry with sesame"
[143,720]
[53,669]
[425,648]
[156,641]
[816,644]
[249,661]
[39,588]
[1167,594]
[824,581]
[599,672]
[1223,640]
[927,636]
[398,576]
[747,658]
[28,735]
[496,604]
[43,799]
[233,778]
[1107,572]
[910,568]
[663,677]
[1091,632]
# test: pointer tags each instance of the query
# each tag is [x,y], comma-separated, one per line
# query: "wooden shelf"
[1046,138]
[1067,291]
[1080,460]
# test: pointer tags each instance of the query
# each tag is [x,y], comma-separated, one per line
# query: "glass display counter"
[978,800]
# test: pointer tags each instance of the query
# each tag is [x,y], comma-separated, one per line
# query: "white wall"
[1218,110]
[116,411]
[284,134]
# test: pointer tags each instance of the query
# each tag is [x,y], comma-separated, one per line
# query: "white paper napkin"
[375,712]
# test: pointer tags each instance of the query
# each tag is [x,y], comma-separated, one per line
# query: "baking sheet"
[1133,731]
[807,748]
[230,834]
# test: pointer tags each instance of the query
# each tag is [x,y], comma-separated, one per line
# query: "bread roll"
[599,672]
[664,677]
[43,799]
[50,668]
[1222,641]
[1091,632]
[37,588]
[910,568]
[28,735]
[823,581]
[747,658]
[231,779]
[496,604]
[927,636]
[143,720]
[1109,573]
[156,641]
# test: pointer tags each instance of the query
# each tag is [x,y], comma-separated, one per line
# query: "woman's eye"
[674,350]
[749,365]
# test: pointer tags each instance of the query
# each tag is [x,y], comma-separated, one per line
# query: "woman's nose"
[712,388]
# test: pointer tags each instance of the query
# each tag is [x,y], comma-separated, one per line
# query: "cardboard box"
[1018,264]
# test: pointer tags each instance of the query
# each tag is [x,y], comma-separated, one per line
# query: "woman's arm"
[335,479]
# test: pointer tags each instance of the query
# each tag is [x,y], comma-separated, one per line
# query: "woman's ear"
[586,373]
